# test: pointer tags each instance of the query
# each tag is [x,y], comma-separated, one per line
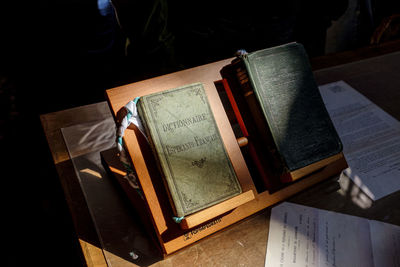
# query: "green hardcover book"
[286,106]
[188,147]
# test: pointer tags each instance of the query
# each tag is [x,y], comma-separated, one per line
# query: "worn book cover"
[286,106]
[284,86]
[188,148]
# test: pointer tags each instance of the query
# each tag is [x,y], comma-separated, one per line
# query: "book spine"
[252,103]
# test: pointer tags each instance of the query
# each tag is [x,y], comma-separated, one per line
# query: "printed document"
[301,236]
[370,137]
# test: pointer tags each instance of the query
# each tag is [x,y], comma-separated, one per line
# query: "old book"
[188,148]
[286,108]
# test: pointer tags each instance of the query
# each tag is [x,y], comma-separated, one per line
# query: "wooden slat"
[216,210]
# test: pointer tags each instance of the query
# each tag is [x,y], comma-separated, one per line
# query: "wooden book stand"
[153,204]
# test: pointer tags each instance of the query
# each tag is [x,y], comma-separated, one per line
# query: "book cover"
[188,147]
[284,99]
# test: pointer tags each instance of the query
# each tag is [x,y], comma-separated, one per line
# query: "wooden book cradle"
[153,204]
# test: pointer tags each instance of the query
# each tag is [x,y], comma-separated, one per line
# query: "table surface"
[245,242]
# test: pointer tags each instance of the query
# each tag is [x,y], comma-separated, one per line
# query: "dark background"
[61,54]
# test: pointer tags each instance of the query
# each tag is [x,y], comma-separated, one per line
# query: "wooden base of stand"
[153,203]
[210,213]
[174,237]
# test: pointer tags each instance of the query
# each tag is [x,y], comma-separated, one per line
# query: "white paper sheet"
[370,137]
[301,236]
[386,244]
